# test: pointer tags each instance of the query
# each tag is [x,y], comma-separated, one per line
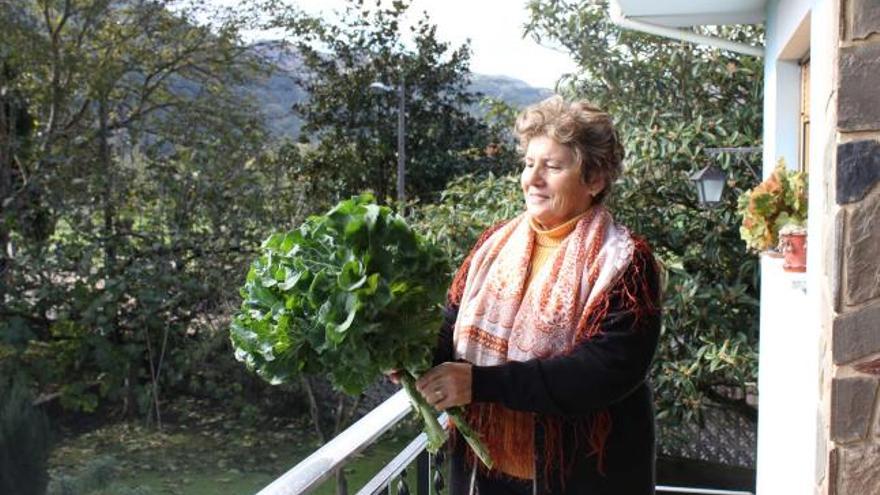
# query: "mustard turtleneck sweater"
[547,241]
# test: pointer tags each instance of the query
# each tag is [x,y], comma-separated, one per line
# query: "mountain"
[512,91]
[276,94]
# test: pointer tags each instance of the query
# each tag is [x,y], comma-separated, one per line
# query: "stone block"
[852,408]
[858,100]
[821,446]
[833,461]
[858,169]
[836,263]
[862,251]
[856,334]
[864,18]
[859,470]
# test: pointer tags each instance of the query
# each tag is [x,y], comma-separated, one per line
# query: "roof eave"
[620,19]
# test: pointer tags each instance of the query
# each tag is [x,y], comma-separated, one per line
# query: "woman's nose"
[533,176]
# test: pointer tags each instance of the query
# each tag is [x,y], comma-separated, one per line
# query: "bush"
[24,441]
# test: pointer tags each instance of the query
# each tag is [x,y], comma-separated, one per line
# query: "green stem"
[436,434]
[456,415]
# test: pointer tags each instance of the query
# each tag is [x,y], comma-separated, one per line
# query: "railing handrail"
[316,468]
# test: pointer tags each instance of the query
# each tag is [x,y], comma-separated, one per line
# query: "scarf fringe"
[633,288]
[514,447]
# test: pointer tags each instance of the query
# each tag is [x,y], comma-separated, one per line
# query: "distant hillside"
[512,91]
[276,95]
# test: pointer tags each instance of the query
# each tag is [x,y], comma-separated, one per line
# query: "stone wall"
[852,377]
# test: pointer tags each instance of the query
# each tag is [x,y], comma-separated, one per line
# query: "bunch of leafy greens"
[349,294]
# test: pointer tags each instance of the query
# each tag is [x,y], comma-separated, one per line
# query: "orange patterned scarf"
[500,319]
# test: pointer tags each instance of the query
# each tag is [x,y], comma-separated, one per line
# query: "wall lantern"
[710,181]
[710,184]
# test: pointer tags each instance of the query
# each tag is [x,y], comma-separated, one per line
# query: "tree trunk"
[155,372]
[129,403]
[341,482]
[6,137]
[343,420]
[313,409]
[105,160]
[344,415]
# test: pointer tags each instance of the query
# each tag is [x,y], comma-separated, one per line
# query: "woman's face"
[552,185]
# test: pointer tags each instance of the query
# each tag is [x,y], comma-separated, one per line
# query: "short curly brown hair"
[581,126]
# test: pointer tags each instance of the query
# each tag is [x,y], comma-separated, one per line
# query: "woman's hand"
[446,385]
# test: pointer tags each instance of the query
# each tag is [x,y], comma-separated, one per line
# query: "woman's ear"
[596,185]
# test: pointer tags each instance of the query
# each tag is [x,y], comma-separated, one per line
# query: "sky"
[494,27]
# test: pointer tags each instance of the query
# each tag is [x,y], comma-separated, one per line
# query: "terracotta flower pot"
[794,247]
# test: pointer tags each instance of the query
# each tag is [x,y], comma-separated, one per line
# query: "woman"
[551,324]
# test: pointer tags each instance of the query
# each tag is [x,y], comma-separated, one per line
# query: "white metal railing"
[394,468]
[318,467]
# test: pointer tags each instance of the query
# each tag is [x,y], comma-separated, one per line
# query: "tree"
[24,439]
[354,130]
[149,169]
[16,127]
[671,101]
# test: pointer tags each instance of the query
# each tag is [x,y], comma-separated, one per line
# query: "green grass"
[358,473]
[209,453]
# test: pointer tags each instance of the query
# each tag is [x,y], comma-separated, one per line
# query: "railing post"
[437,483]
[402,484]
[423,473]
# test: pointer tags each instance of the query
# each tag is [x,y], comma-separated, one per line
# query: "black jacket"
[608,371]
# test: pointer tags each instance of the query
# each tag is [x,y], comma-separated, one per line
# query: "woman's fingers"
[432,393]
[446,385]
[427,380]
[393,375]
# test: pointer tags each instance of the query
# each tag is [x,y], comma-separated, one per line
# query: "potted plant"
[780,201]
[793,245]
